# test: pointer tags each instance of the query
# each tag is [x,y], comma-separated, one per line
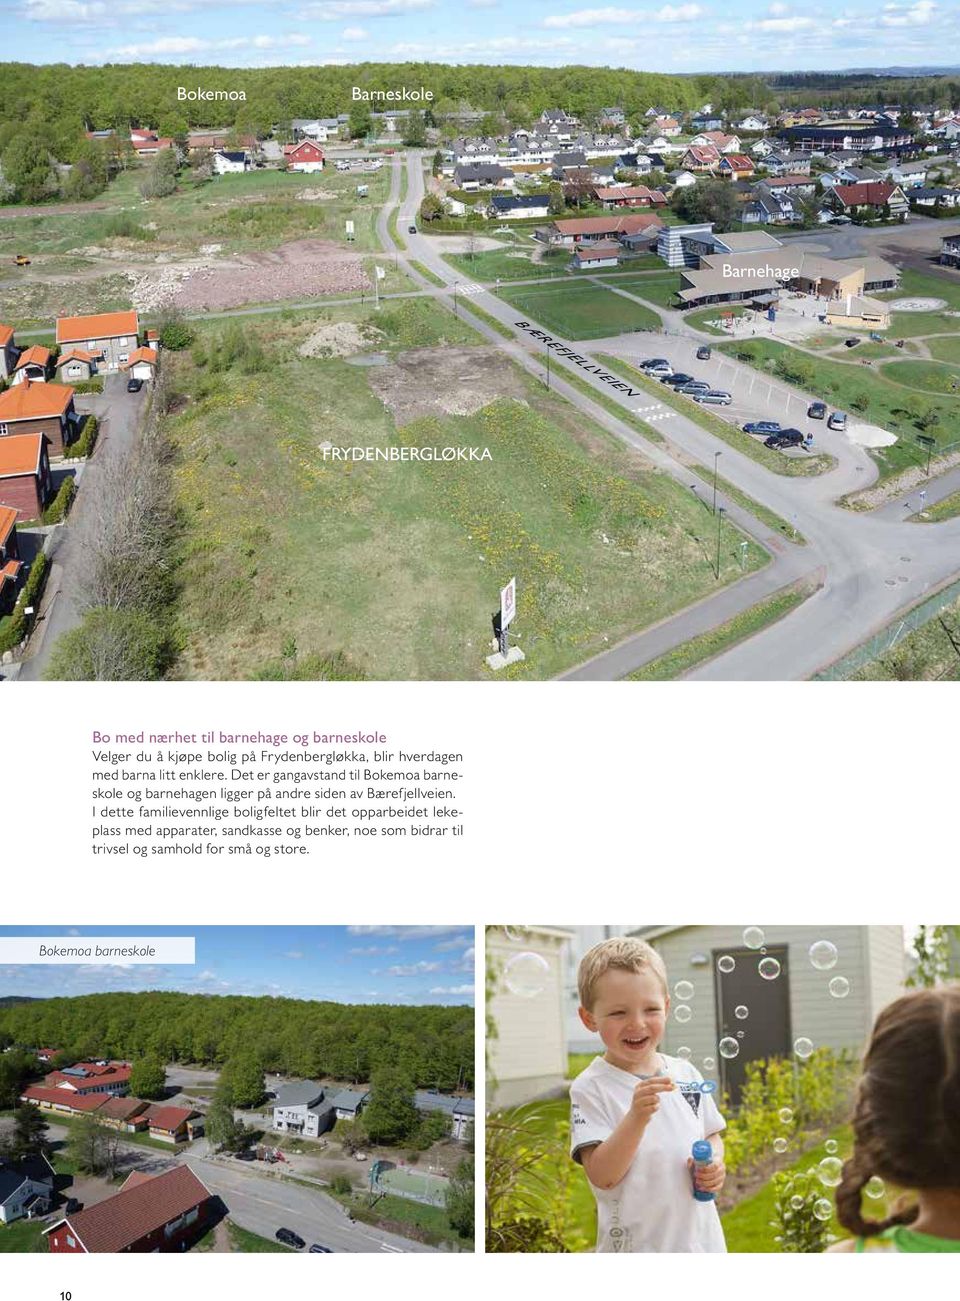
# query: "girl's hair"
[906,1124]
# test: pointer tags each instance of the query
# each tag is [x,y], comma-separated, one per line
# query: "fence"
[415,1185]
[885,640]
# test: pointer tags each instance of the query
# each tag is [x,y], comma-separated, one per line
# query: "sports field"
[415,1184]
[580,311]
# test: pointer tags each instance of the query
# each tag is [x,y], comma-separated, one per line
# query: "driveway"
[118,412]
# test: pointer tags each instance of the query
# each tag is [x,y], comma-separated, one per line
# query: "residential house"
[32,364]
[766,207]
[199,141]
[701,158]
[797,1003]
[568,161]
[935,196]
[909,175]
[306,156]
[557,121]
[510,207]
[786,162]
[228,161]
[113,335]
[77,364]
[320,129]
[164,1212]
[681,179]
[303,1108]
[26,483]
[349,1103]
[821,137]
[8,351]
[629,196]
[46,1054]
[11,566]
[628,162]
[147,143]
[85,1078]
[460,1110]
[723,143]
[142,363]
[794,185]
[26,1188]
[528,1057]
[735,167]
[666,126]
[950,250]
[40,408]
[706,120]
[172,1124]
[489,176]
[569,232]
[126,1113]
[593,256]
[762,148]
[868,198]
[753,122]
[612,117]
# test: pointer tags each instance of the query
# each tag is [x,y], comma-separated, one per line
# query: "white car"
[715,397]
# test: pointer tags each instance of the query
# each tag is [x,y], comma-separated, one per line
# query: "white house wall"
[529,1056]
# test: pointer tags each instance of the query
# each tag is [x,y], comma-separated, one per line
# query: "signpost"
[505,653]
[380,275]
[349,230]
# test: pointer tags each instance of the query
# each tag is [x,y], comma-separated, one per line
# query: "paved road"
[869,567]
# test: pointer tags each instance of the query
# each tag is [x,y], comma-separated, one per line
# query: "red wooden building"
[165,1212]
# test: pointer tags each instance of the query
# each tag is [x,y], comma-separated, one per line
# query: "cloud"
[327,11]
[452,989]
[466,960]
[407,932]
[371,949]
[63,11]
[449,946]
[783,25]
[920,14]
[354,34]
[413,969]
[293,953]
[180,45]
[686,13]
[777,8]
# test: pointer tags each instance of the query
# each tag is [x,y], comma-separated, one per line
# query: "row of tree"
[432,1045]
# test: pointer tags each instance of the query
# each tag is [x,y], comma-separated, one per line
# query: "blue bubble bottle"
[702,1154]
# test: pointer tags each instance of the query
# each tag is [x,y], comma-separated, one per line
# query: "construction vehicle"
[21,260]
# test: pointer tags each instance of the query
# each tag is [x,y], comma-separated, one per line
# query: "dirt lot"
[443,382]
[300,269]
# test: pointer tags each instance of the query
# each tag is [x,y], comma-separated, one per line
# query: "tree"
[437,165]
[244,1073]
[28,169]
[556,204]
[148,1078]
[431,208]
[352,1135]
[708,200]
[391,1116]
[460,1199]
[415,130]
[579,185]
[16,1068]
[28,1136]
[111,645]
[360,121]
[174,331]
[94,1147]
[225,1132]
[938,953]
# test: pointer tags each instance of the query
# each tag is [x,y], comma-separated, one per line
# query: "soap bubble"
[830,1171]
[682,1013]
[796,1202]
[779,1145]
[839,987]
[526,975]
[683,990]
[728,1047]
[769,968]
[753,937]
[875,1187]
[739,1034]
[708,1063]
[786,1115]
[831,1145]
[823,955]
[803,1047]
[822,1209]
[726,964]
[516,934]
[684,1053]
[708,1086]
[741,1012]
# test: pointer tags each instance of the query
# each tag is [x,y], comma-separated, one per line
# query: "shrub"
[94,385]
[85,443]
[123,226]
[174,331]
[56,512]
[341,1184]
[14,629]
[799,1228]
[860,401]
[310,668]
[111,646]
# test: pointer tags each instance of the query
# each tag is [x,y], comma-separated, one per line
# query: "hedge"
[56,512]
[14,629]
[85,443]
[94,385]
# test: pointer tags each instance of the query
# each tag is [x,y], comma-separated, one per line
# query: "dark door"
[766,1028]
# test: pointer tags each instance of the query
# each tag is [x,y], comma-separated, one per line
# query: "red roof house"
[11,566]
[91,1077]
[574,229]
[35,407]
[701,158]
[629,196]
[735,167]
[869,194]
[25,479]
[32,364]
[164,1212]
[51,1098]
[172,1124]
[303,157]
[8,351]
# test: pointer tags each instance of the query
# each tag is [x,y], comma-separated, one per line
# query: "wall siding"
[529,1057]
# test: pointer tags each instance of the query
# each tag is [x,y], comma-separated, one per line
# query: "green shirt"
[902,1238]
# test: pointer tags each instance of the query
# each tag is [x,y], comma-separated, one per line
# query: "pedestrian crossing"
[655,412]
[468,289]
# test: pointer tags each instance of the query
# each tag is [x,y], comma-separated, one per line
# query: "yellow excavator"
[21,260]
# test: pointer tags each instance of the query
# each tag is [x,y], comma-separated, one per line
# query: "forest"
[432,1045]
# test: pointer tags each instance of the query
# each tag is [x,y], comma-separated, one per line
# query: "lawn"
[244,1240]
[660,289]
[930,376]
[674,664]
[946,348]
[580,311]
[946,508]
[925,655]
[23,1235]
[508,264]
[400,1214]
[865,394]
[906,325]
[396,565]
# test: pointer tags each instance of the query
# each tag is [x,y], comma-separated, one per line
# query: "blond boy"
[637,1113]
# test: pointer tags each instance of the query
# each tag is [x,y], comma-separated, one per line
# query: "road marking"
[469,289]
[385,1247]
[656,412]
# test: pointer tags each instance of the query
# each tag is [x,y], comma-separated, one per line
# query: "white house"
[26,1188]
[142,364]
[231,160]
[348,1103]
[303,1108]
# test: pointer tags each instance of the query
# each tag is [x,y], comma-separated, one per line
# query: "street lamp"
[716,458]
[455,283]
[743,554]
[719,522]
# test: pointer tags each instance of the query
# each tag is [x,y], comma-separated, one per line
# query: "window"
[71,1241]
[123,342]
[124,356]
[4,429]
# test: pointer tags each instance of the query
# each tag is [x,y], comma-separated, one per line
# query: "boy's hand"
[646,1098]
[708,1178]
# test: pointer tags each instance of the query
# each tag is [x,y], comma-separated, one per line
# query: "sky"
[343,964]
[701,36]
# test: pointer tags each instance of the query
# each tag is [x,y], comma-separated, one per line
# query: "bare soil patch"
[338,339]
[443,382]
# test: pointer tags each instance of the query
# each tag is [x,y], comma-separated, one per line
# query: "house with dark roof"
[348,1103]
[512,206]
[304,1108]
[225,161]
[868,199]
[164,1212]
[934,196]
[765,207]
[950,250]
[487,176]
[26,1188]
[460,1110]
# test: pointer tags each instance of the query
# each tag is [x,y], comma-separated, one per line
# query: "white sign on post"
[349,226]
[508,603]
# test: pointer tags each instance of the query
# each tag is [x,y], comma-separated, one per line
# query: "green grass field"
[908,325]
[660,289]
[244,1240]
[946,508]
[946,348]
[396,565]
[23,1235]
[868,395]
[930,376]
[925,655]
[580,310]
[513,263]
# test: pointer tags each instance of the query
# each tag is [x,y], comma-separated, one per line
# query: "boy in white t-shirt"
[637,1114]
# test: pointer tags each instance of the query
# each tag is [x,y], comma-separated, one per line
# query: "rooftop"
[301,1093]
[34,400]
[20,454]
[107,325]
[139,1208]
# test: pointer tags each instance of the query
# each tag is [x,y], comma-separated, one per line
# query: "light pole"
[719,522]
[548,370]
[743,554]
[716,458]
[455,283]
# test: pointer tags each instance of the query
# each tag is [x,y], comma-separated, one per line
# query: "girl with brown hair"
[906,1126]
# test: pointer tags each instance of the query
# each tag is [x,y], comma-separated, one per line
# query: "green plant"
[56,512]
[14,629]
[341,1184]
[529,1174]
[174,332]
[94,385]
[87,440]
[802,1213]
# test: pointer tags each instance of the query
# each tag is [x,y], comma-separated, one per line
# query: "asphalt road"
[868,567]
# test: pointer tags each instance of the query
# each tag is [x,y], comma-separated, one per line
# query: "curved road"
[870,567]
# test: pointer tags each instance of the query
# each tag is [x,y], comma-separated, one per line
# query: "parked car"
[677,379]
[289,1238]
[877,338]
[785,438]
[655,363]
[817,411]
[838,420]
[716,397]
[412,229]
[704,352]
[316,1247]
[246,1155]
[134,385]
[695,386]
[72,1205]
[762,427]
[851,343]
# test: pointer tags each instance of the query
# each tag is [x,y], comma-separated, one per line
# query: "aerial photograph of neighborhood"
[809,1070]
[297,1089]
[416,340]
